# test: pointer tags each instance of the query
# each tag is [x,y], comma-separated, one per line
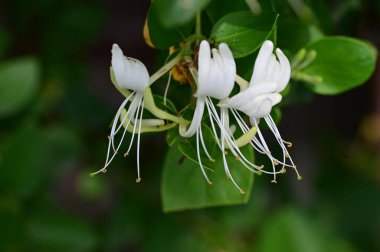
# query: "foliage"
[53,124]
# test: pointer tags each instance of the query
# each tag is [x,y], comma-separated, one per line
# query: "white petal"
[285,70]
[216,76]
[197,119]
[249,94]
[260,68]
[129,73]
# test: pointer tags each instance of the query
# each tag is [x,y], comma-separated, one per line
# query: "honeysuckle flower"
[270,77]
[129,74]
[216,78]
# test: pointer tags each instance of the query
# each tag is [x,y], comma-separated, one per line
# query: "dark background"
[48,202]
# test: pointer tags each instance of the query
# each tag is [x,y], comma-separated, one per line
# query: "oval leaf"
[184,187]
[342,63]
[18,84]
[243,31]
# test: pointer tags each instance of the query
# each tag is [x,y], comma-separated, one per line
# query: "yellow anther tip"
[299,178]
[138,180]
[104,170]
[209,182]
[274,181]
[126,154]
[241,191]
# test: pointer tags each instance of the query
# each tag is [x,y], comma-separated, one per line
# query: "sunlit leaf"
[342,63]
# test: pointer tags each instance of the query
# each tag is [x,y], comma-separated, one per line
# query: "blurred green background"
[54,126]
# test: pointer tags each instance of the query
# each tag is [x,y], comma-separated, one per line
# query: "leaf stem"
[164,69]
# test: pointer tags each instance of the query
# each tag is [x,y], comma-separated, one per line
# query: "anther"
[289,144]
[138,180]
[259,173]
[237,158]
[126,154]
[275,162]
[241,191]
[225,152]
[299,178]
[287,154]
[209,182]
[104,170]
[261,167]
[283,171]
[274,181]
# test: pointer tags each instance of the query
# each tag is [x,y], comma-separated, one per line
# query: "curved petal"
[197,119]
[260,67]
[216,75]
[249,94]
[285,70]
[129,73]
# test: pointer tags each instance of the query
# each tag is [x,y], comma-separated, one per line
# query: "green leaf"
[19,81]
[187,146]
[163,37]
[173,13]
[184,187]
[58,232]
[219,8]
[291,230]
[342,63]
[300,32]
[243,31]
[42,152]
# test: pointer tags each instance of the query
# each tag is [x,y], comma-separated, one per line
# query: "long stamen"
[138,144]
[231,142]
[108,161]
[281,142]
[204,145]
[116,120]
[225,164]
[199,159]
[269,154]
[134,124]
[167,87]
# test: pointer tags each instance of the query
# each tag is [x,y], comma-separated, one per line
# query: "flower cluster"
[215,78]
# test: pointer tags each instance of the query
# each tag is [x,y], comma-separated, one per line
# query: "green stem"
[241,82]
[144,129]
[150,105]
[198,25]
[166,68]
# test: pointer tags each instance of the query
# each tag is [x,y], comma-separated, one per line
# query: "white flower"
[216,78]
[270,77]
[129,74]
